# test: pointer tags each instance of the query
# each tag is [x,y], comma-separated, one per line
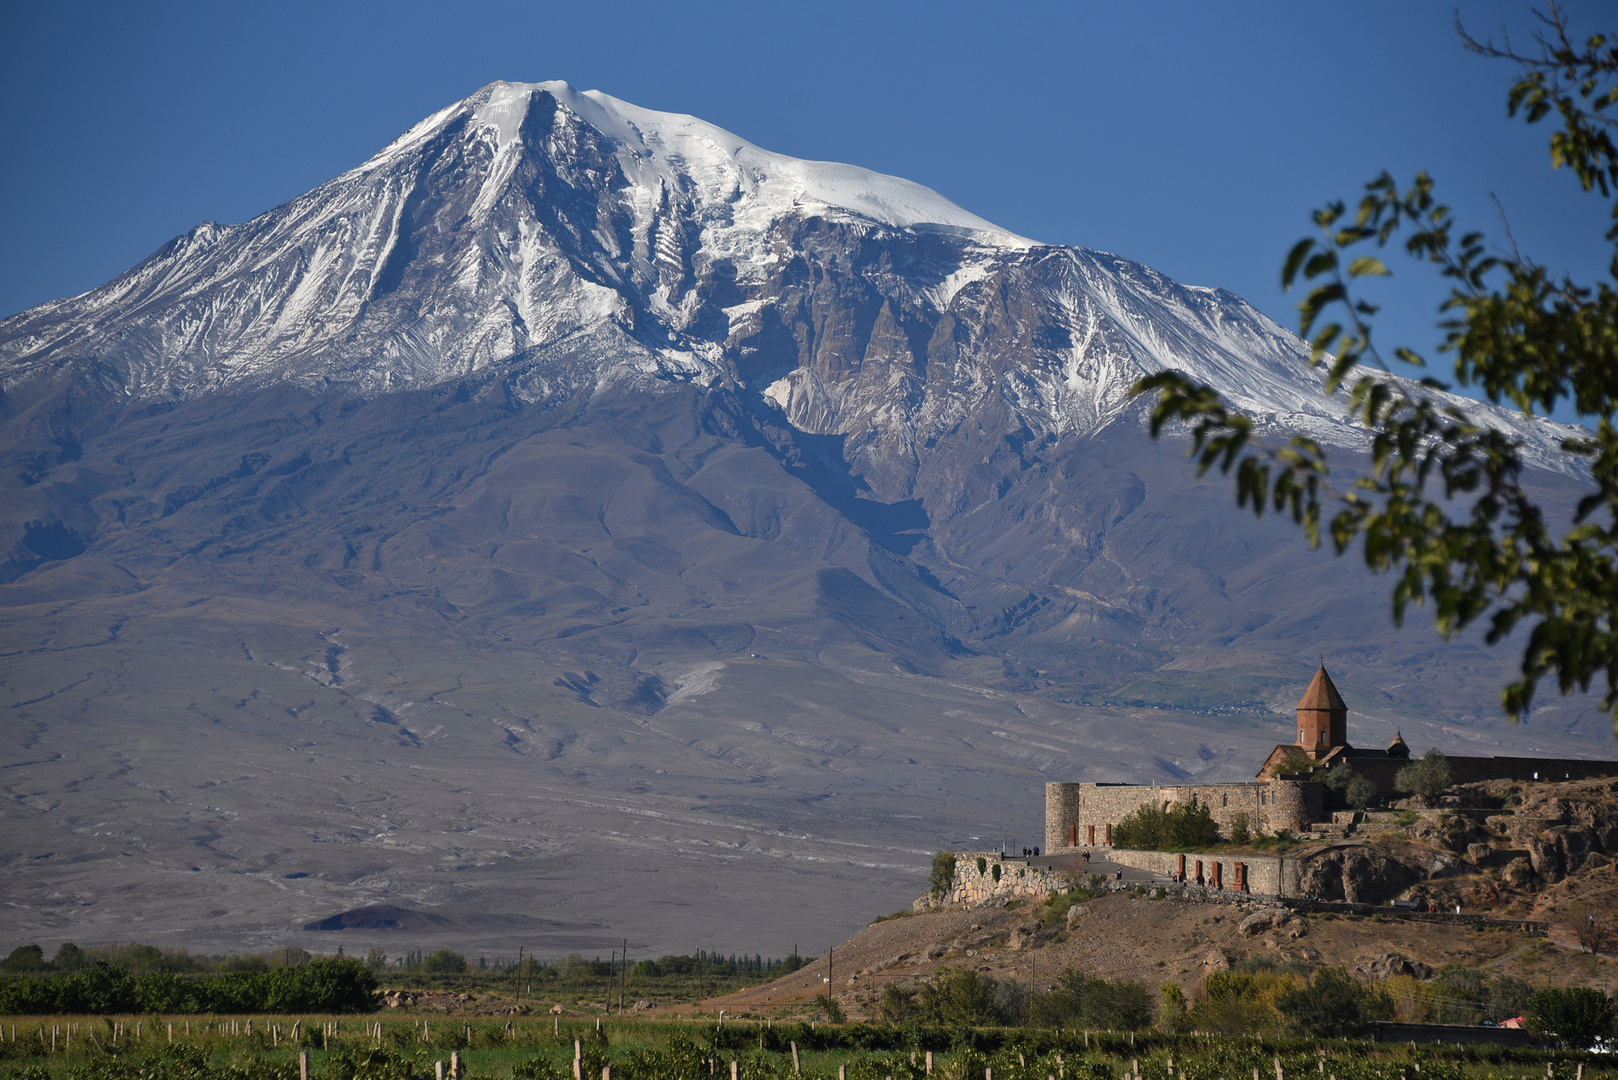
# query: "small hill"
[1512,851]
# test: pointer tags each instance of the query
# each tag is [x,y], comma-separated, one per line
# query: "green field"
[396,1047]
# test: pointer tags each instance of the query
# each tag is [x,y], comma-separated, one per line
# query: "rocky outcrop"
[1359,875]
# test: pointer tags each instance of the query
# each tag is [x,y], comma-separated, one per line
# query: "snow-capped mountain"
[573,481]
[568,241]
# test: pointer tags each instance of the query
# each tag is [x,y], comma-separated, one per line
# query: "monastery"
[1079,816]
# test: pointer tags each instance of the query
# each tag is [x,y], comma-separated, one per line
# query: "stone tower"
[1322,717]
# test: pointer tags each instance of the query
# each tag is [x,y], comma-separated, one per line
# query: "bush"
[943,876]
[1333,1006]
[1240,831]
[1429,776]
[827,1005]
[1574,1016]
[959,997]
[1152,828]
[1083,1001]
[898,1006]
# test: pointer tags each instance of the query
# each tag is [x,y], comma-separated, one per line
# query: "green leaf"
[1295,257]
[1368,266]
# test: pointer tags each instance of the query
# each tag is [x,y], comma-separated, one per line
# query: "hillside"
[1564,829]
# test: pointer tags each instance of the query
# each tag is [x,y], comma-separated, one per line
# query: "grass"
[1053,912]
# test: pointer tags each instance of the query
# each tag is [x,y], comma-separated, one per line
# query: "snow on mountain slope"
[567,241]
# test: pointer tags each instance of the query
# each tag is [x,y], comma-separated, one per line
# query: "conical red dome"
[1322,694]
[1322,717]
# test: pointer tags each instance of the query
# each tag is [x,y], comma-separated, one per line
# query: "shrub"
[1428,776]
[828,1006]
[898,1006]
[959,997]
[1240,831]
[1083,1001]
[943,876]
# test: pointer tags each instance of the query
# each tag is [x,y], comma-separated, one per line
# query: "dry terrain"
[1156,942]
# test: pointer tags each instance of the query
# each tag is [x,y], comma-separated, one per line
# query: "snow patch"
[779,393]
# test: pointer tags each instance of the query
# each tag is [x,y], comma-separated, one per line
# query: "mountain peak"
[685,153]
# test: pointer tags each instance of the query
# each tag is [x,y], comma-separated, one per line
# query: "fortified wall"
[981,877]
[1258,875]
[1083,815]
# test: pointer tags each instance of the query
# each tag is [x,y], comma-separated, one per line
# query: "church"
[1081,816]
[1323,735]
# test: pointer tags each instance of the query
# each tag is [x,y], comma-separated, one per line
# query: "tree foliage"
[943,875]
[1152,828]
[1355,789]
[325,985]
[1444,505]
[1334,1005]
[1575,1016]
[1428,776]
[1084,1001]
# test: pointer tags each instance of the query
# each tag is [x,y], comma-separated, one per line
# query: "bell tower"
[1322,717]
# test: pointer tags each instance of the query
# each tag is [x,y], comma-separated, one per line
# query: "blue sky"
[1193,137]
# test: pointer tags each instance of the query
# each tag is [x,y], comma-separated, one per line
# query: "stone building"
[1323,737]
[1083,815]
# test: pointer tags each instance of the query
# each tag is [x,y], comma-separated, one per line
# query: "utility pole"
[623,983]
[517,979]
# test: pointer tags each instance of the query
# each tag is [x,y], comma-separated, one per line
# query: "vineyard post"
[796,1070]
[303,1065]
[438,1070]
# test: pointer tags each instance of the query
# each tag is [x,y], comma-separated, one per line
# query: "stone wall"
[1475,770]
[974,887]
[1082,815]
[1263,875]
